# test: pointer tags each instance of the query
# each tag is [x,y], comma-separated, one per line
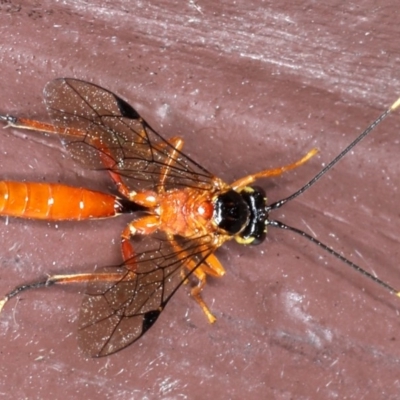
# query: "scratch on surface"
[277,29]
[149,365]
[366,263]
[196,7]
[309,228]
[57,366]
[14,312]
[335,217]
[108,391]
[168,384]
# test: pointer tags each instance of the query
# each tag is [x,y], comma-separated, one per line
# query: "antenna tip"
[395,104]
[2,302]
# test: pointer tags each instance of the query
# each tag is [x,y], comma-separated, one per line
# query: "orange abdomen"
[52,201]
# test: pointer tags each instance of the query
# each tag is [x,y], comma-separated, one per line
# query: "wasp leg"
[177,145]
[211,266]
[67,279]
[30,124]
[109,162]
[247,180]
[106,157]
[195,292]
[143,226]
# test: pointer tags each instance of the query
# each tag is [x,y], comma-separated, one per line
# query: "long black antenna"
[280,203]
[281,225]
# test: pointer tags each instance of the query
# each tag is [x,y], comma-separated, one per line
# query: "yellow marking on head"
[248,189]
[397,294]
[241,240]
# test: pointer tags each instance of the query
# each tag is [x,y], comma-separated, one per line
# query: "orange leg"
[150,223]
[109,162]
[196,294]
[211,266]
[68,279]
[30,124]
[177,144]
[247,180]
[106,158]
[143,226]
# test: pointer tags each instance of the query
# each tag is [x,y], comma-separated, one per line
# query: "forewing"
[100,125]
[116,314]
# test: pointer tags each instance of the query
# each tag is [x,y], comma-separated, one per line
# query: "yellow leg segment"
[247,180]
[211,266]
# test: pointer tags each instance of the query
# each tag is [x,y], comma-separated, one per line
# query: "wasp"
[181,213]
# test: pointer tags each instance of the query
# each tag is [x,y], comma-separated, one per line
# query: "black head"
[255,230]
[243,214]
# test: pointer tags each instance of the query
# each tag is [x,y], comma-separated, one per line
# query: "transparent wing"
[98,122]
[115,314]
